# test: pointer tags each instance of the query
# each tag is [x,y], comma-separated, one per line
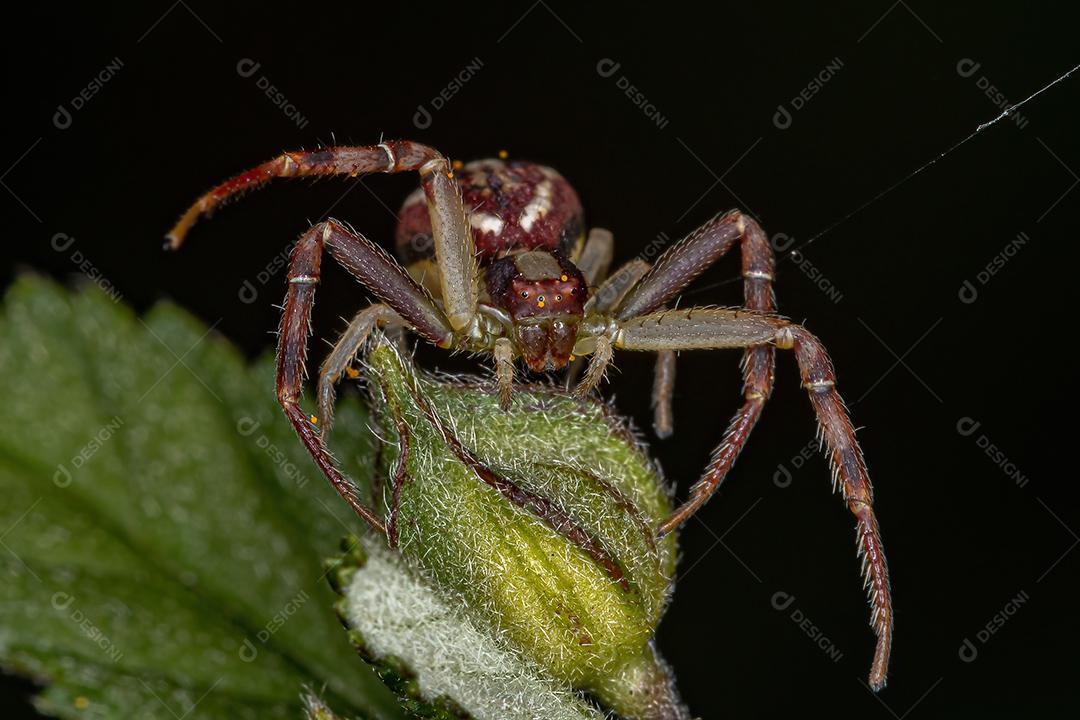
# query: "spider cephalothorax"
[496,265]
[544,294]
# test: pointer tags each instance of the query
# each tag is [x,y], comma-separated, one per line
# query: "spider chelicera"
[498,262]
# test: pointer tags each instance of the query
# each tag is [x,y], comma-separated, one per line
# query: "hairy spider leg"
[605,298]
[454,246]
[372,266]
[340,360]
[712,328]
[676,268]
[637,289]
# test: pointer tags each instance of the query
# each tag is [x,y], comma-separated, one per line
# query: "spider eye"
[558,298]
[525,294]
[539,298]
[573,291]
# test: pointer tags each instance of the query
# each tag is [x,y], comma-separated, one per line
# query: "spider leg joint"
[819,385]
[431,166]
[391,160]
[785,338]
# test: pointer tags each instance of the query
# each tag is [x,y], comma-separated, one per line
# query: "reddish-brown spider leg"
[676,268]
[709,328]
[393,156]
[454,246]
[683,262]
[383,276]
[605,298]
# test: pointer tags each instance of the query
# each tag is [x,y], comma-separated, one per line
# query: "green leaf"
[162,530]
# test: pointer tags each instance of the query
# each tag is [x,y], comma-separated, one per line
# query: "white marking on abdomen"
[485,222]
[538,207]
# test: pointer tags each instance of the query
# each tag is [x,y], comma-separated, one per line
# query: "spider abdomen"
[512,206]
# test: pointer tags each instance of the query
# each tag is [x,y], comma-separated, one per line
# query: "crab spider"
[498,263]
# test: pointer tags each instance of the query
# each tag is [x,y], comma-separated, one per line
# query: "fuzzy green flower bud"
[541,520]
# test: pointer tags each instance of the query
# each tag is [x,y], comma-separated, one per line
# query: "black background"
[964,538]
